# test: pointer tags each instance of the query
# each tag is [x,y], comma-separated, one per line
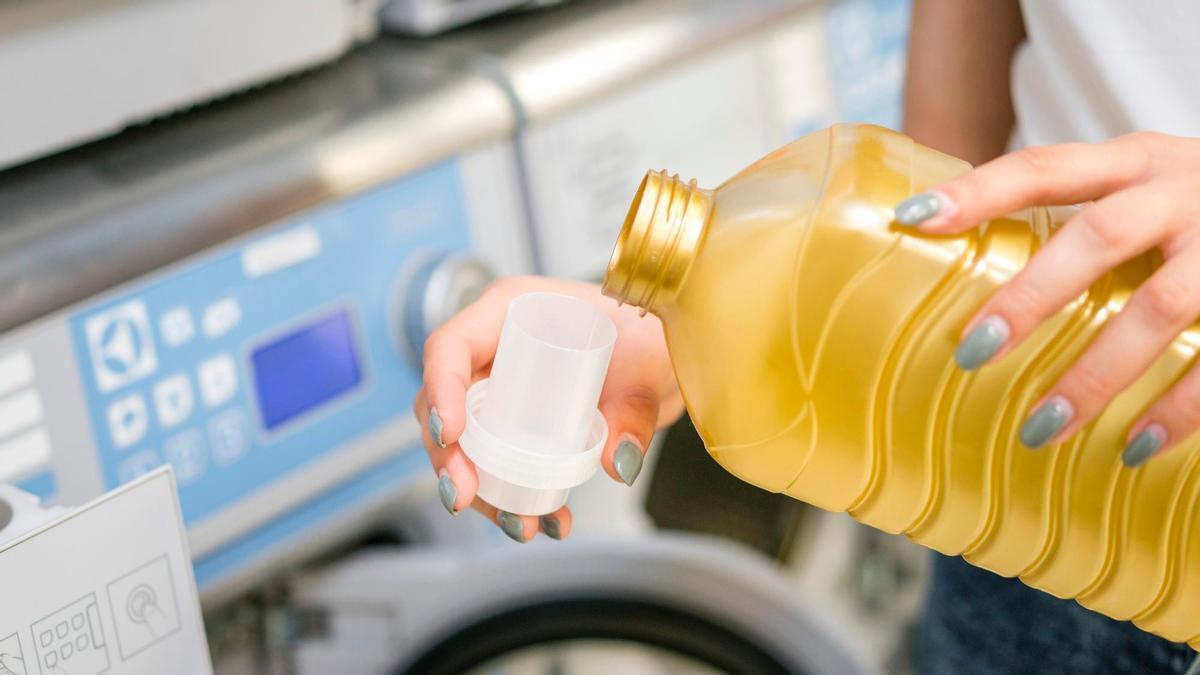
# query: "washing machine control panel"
[275,373]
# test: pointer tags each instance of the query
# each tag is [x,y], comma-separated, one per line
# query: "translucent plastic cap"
[533,429]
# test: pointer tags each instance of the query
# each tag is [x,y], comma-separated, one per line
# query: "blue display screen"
[305,368]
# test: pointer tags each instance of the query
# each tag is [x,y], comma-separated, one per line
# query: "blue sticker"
[245,365]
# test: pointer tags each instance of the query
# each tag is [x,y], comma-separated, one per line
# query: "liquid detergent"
[813,340]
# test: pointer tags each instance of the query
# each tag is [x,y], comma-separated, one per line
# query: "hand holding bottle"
[639,395]
[1142,190]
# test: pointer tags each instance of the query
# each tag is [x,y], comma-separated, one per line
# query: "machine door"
[585,636]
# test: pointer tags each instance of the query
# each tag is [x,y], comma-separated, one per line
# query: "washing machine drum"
[586,636]
[675,604]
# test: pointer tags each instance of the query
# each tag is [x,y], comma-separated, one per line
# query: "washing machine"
[116,63]
[242,293]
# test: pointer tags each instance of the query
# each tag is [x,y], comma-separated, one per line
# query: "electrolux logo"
[121,345]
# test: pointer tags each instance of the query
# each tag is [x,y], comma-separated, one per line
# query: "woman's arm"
[957,95]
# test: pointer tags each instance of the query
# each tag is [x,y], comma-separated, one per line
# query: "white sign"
[107,588]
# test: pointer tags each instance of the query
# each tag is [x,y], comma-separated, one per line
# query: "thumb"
[631,413]
[639,373]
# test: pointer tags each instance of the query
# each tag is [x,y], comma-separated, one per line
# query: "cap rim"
[523,467]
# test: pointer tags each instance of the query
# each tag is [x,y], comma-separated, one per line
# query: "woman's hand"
[639,395]
[1144,190]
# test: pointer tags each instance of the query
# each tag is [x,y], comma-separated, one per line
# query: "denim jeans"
[979,623]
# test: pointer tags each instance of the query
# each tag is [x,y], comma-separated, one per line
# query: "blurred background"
[183,181]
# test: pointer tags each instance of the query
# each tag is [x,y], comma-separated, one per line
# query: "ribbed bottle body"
[813,340]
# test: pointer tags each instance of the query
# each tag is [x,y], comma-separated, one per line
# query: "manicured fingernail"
[1045,422]
[628,461]
[1144,446]
[512,526]
[982,343]
[435,427]
[551,527]
[447,492]
[920,208]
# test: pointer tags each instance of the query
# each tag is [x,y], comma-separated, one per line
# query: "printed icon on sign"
[218,380]
[71,640]
[121,345]
[227,437]
[176,327]
[185,453]
[127,420]
[12,659]
[173,400]
[144,607]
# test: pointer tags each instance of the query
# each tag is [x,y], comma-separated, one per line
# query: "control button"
[173,400]
[221,316]
[227,437]
[218,380]
[121,345]
[176,326]
[433,291]
[185,453]
[127,420]
[137,465]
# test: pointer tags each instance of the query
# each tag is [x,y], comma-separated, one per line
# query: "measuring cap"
[533,429]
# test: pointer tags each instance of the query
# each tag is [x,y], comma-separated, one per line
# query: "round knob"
[436,288]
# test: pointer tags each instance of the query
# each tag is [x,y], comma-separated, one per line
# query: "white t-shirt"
[1094,69]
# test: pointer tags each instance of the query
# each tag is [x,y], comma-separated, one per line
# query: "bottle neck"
[661,236]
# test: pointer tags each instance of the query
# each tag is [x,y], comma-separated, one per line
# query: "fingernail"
[551,527]
[920,208]
[628,461]
[512,526]
[982,343]
[447,492]
[1046,422]
[1144,446]
[435,427]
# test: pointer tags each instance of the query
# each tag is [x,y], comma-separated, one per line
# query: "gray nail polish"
[512,526]
[628,461]
[448,493]
[435,427]
[1046,422]
[1143,446]
[982,343]
[917,209]
[551,527]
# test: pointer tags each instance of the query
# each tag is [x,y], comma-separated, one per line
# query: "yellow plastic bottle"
[813,341]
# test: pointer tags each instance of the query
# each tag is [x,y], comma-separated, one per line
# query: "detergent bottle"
[813,339]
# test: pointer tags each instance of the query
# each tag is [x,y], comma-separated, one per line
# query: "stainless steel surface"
[81,222]
[560,57]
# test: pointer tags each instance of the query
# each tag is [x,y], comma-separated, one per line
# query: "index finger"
[453,353]
[1050,175]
